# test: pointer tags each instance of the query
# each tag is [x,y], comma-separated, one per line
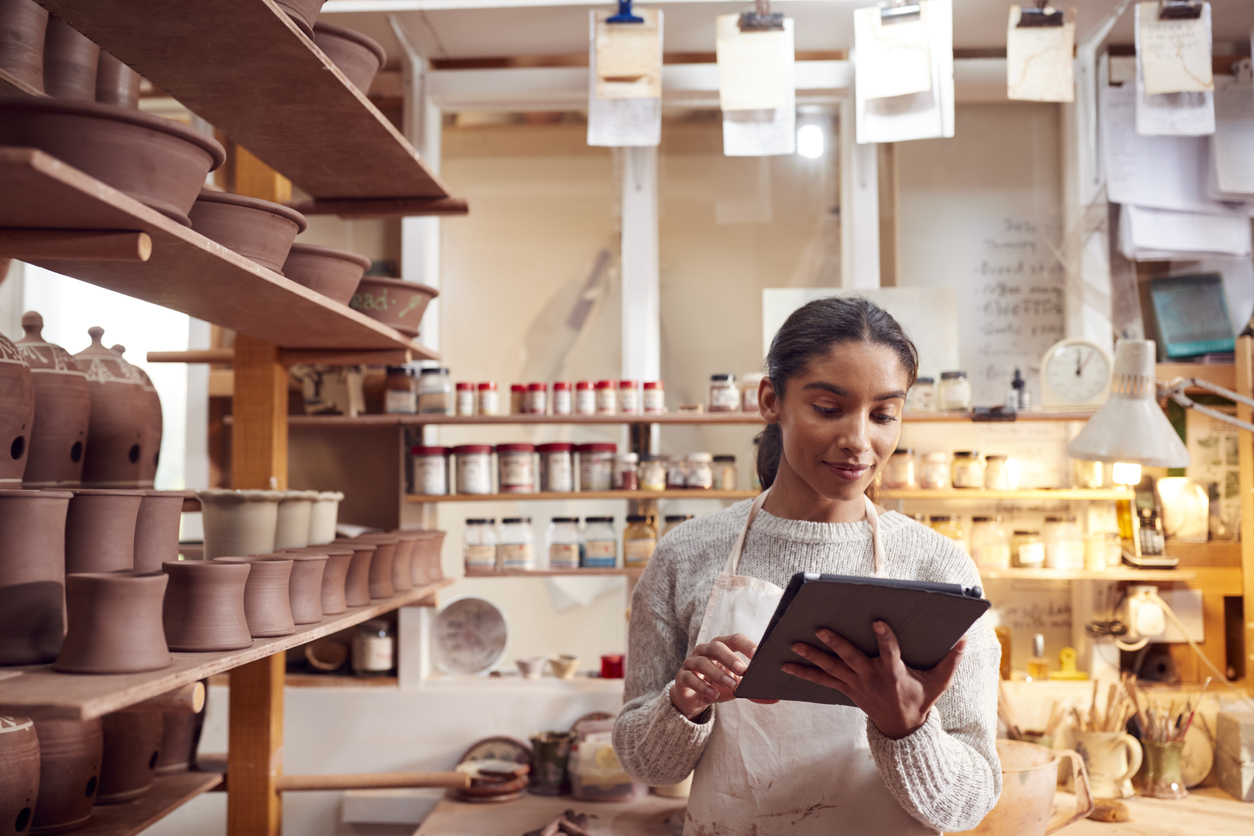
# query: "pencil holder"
[1161,775]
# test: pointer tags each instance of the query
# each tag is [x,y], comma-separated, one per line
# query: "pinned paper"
[630,121]
[1174,53]
[754,67]
[893,58]
[1190,113]
[629,57]
[1164,235]
[1039,61]
[766,132]
[924,115]
[1232,146]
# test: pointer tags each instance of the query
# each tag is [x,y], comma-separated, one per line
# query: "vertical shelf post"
[1245,386]
[255,748]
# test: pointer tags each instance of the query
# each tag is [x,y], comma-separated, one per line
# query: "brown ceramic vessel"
[132,744]
[333,273]
[156,161]
[426,561]
[357,580]
[256,229]
[151,424]
[69,62]
[397,304]
[157,529]
[381,564]
[267,601]
[17,413]
[116,83]
[19,773]
[115,624]
[22,27]
[62,410]
[334,576]
[302,12]
[358,57]
[69,765]
[32,575]
[402,572]
[100,530]
[305,585]
[115,433]
[204,605]
[180,736]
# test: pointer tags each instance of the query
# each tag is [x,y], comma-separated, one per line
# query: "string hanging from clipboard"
[761,19]
[1179,9]
[1041,15]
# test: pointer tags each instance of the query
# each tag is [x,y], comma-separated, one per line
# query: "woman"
[917,754]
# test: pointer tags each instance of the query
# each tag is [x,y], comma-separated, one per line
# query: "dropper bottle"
[1038,665]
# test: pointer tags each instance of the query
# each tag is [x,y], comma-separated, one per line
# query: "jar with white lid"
[990,543]
[922,396]
[955,392]
[596,466]
[557,472]
[900,473]
[489,400]
[430,470]
[600,543]
[563,402]
[934,475]
[700,471]
[1001,473]
[517,469]
[515,545]
[676,473]
[607,397]
[465,399]
[1064,544]
[652,473]
[968,469]
[479,545]
[628,397]
[474,468]
[564,542]
[654,397]
[626,472]
[724,394]
[749,385]
[537,401]
[399,395]
[585,398]
[435,392]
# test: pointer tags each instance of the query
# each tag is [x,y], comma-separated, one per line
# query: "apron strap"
[872,517]
[877,544]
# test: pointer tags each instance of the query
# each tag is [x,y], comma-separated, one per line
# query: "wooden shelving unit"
[168,793]
[555,573]
[1121,574]
[663,419]
[979,495]
[422,499]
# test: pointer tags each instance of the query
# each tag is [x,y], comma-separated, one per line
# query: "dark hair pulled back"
[810,332]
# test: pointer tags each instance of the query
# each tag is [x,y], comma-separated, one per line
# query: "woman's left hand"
[895,697]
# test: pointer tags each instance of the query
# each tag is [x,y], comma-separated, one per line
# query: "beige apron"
[792,768]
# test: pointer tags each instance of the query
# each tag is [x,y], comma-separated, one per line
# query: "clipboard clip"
[1040,15]
[761,19]
[900,11]
[1179,9]
[625,14]
[1243,71]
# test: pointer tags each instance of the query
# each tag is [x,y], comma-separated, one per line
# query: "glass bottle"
[990,543]
[435,392]
[700,471]
[922,396]
[1064,544]
[724,394]
[725,474]
[935,471]
[674,521]
[749,392]
[479,545]
[1001,473]
[465,399]
[564,540]
[626,472]
[947,525]
[374,649]
[639,541]
[900,471]
[968,469]
[489,400]
[1038,665]
[652,473]
[600,543]
[1027,550]
[955,392]
[399,397]
[516,547]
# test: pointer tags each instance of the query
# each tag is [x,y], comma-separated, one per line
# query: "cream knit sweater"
[945,774]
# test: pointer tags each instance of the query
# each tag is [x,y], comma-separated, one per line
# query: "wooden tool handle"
[74,245]
[373,781]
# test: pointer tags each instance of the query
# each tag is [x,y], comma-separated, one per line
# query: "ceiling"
[508,28]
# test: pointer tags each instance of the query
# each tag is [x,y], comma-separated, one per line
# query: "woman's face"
[841,417]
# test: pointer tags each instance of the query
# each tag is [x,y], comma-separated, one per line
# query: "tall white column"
[641,338]
[859,206]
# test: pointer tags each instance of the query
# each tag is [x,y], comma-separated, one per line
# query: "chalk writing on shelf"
[1037,615]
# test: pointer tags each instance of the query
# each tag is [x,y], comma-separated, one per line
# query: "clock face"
[1077,372]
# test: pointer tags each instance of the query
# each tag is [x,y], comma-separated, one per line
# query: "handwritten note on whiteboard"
[1175,55]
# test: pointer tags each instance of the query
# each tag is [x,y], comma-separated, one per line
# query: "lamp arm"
[1175,391]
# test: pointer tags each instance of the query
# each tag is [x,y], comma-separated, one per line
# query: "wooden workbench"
[1208,810]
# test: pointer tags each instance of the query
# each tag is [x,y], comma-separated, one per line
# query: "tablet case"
[928,618]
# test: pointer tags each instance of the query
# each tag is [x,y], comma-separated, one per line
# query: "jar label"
[992,556]
[480,557]
[561,401]
[724,398]
[563,556]
[473,474]
[517,556]
[628,401]
[465,403]
[517,472]
[654,400]
[636,553]
[1031,554]
[489,402]
[537,403]
[601,554]
[606,402]
[435,403]
[557,474]
[585,402]
[400,402]
[431,475]
[372,653]
[595,471]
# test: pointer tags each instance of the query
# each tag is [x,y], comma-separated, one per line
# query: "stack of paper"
[904,74]
[1174,86]
[1039,63]
[1232,146]
[1164,235]
[625,80]
[756,89]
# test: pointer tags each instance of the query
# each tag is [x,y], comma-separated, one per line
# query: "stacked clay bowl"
[256,229]
[333,273]
[302,12]
[358,57]
[393,302]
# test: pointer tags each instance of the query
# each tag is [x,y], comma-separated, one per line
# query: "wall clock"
[1075,374]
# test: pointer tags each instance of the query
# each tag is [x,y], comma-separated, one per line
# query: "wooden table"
[1207,810]
[644,817]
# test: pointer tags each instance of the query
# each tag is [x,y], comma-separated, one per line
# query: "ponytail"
[770,444]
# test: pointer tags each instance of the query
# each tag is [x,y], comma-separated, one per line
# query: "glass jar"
[399,397]
[537,402]
[922,396]
[489,399]
[562,400]
[652,473]
[674,521]
[955,392]
[700,475]
[1095,551]
[899,473]
[585,398]
[435,392]
[479,545]
[725,474]
[557,471]
[628,397]
[654,397]
[1027,549]
[515,548]
[1064,544]
[374,649]
[600,543]
[749,392]
[429,470]
[516,466]
[676,473]
[465,400]
[947,525]
[639,541]
[596,466]
[967,469]
[724,394]
[990,543]
[934,474]
[564,540]
[517,399]
[1162,776]
[474,468]
[626,477]
[606,397]
[1001,473]
[1086,474]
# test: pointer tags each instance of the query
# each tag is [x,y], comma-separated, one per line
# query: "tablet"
[928,618]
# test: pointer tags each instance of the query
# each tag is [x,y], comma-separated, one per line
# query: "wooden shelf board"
[168,793]
[666,418]
[41,692]
[386,207]
[966,417]
[10,85]
[419,499]
[313,680]
[249,71]
[187,271]
[1022,496]
[1122,574]
[1217,553]
[554,573]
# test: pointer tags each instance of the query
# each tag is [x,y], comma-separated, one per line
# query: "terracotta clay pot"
[395,303]
[267,601]
[402,571]
[305,586]
[32,575]
[17,413]
[114,624]
[426,561]
[151,423]
[256,229]
[115,433]
[180,737]
[156,161]
[22,27]
[302,12]
[58,435]
[335,580]
[358,57]
[132,744]
[357,581]
[239,522]
[333,273]
[381,563]
[19,773]
[70,752]
[291,530]
[69,62]
[116,83]
[100,530]
[157,529]
[204,605]
[324,516]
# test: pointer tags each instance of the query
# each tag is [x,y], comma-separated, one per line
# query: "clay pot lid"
[58,360]
[211,196]
[117,114]
[120,350]
[401,284]
[329,252]
[334,31]
[37,494]
[104,365]
[330,496]
[227,495]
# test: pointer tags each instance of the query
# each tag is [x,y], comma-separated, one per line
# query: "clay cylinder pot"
[357,580]
[324,516]
[115,433]
[204,605]
[425,564]
[19,773]
[239,522]
[302,12]
[157,529]
[305,585]
[32,575]
[17,413]
[291,529]
[100,530]
[358,57]
[151,426]
[256,229]
[334,578]
[180,737]
[69,62]
[70,752]
[397,304]
[402,571]
[22,27]
[115,624]
[116,83]
[132,744]
[381,564]
[58,435]
[333,273]
[267,601]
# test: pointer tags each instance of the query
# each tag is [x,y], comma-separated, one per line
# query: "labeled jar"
[676,473]
[399,397]
[374,649]
[516,468]
[517,399]
[724,394]
[1027,549]
[479,545]
[934,475]
[596,466]
[1095,550]
[537,401]
[563,402]
[600,543]
[607,397]
[564,542]
[474,468]
[557,471]
[922,396]
[948,526]
[967,470]
[489,399]
[700,467]
[585,398]
[900,473]
[435,392]
[639,541]
[990,543]
[652,473]
[726,476]
[955,392]
[654,398]
[1001,473]
[515,548]
[429,470]
[628,397]
[749,385]
[626,476]
[465,399]
[1064,544]
[674,521]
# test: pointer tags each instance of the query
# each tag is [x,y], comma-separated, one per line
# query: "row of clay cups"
[259,522]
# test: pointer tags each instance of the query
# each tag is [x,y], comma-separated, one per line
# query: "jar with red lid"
[607,397]
[596,466]
[489,400]
[557,472]
[654,397]
[585,398]
[430,470]
[628,397]
[474,468]
[516,468]
[465,399]
[562,400]
[537,402]
[517,398]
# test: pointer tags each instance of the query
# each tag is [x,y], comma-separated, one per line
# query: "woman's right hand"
[711,674]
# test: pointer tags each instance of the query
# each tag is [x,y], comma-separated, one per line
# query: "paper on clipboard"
[923,115]
[892,59]
[1232,146]
[754,68]
[629,56]
[1189,113]
[1175,54]
[1039,63]
[771,131]
[621,122]
[1164,235]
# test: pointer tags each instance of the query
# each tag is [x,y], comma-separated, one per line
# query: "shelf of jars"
[983,495]
[556,496]
[661,418]
[1126,573]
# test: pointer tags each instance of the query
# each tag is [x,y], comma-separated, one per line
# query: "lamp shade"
[1130,426]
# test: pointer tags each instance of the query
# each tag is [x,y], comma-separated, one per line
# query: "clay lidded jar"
[291,530]
[239,522]
[402,571]
[70,61]
[100,530]
[132,744]
[32,575]
[381,563]
[22,27]
[115,434]
[19,773]
[426,561]
[323,517]
[116,83]
[69,773]
[17,413]
[157,529]
[150,440]
[204,605]
[267,601]
[357,580]
[305,585]
[115,624]
[58,437]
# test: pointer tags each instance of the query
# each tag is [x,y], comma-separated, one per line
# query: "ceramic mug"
[1112,759]
[1029,778]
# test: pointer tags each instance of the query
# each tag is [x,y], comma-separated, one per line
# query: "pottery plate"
[471,635]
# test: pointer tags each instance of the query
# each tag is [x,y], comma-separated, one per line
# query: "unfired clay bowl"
[323,517]
[292,527]
[357,581]
[358,57]
[239,522]
[256,229]
[69,773]
[402,573]
[395,303]
[100,530]
[157,529]
[114,624]
[58,435]
[267,600]
[334,575]
[204,605]
[425,564]
[333,273]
